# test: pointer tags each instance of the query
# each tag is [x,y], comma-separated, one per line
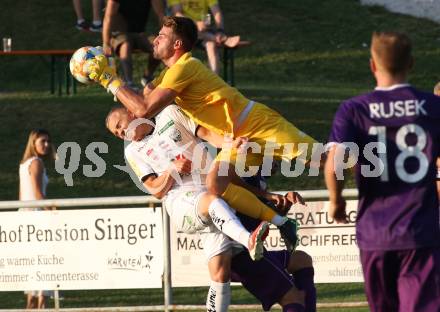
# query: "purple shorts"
[402,280]
[266,279]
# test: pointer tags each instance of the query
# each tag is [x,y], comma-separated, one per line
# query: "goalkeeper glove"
[100,71]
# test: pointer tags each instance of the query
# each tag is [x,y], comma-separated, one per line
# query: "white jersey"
[26,189]
[173,137]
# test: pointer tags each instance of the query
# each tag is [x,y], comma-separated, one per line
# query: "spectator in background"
[81,23]
[124,30]
[209,37]
[33,183]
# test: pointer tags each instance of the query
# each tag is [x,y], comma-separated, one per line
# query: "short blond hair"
[391,51]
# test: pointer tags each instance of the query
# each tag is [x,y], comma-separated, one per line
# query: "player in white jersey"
[169,161]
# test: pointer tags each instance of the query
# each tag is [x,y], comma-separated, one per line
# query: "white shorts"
[215,242]
[182,206]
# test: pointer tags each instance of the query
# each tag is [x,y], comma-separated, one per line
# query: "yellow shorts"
[270,135]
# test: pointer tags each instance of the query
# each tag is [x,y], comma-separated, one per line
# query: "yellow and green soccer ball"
[78,65]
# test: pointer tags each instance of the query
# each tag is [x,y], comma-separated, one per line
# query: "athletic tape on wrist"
[114,86]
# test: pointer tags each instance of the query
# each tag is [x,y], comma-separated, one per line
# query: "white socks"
[278,220]
[224,218]
[219,297]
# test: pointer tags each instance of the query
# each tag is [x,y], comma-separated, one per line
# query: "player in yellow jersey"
[220,108]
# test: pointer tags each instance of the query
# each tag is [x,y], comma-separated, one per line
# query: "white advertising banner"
[81,249]
[332,246]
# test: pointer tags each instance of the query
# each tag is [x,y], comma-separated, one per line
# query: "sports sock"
[219,297]
[293,307]
[97,22]
[278,220]
[247,203]
[304,281]
[224,218]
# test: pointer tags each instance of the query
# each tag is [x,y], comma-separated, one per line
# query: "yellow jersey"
[194,9]
[202,94]
[217,106]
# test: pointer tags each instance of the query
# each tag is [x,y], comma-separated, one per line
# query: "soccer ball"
[77,63]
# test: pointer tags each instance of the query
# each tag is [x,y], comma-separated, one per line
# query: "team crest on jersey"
[175,135]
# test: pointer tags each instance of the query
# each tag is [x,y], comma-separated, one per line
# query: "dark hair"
[117,108]
[392,50]
[184,28]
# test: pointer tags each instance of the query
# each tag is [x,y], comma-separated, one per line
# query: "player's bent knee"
[220,267]
[221,275]
[204,203]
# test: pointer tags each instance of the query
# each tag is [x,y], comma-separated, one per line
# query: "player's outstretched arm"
[335,187]
[146,106]
[140,105]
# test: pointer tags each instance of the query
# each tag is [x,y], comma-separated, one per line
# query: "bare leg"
[219,294]
[97,7]
[126,61]
[217,183]
[220,267]
[78,9]
[223,181]
[213,57]
[42,302]
[31,302]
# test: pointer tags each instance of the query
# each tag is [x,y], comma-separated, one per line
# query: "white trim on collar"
[393,87]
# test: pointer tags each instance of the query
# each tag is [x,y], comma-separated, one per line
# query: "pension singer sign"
[81,249]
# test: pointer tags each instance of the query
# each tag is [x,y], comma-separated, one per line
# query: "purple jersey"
[397,131]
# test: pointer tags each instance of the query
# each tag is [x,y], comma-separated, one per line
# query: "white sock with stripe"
[224,218]
[219,297]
